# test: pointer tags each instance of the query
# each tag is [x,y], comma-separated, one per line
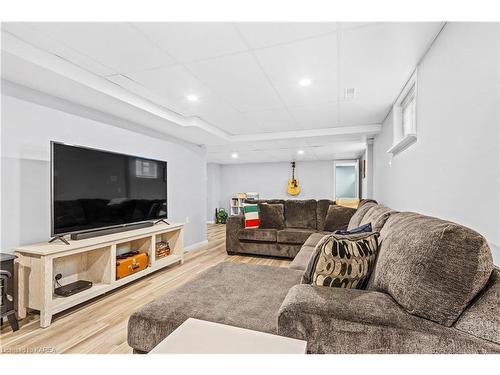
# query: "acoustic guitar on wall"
[293,183]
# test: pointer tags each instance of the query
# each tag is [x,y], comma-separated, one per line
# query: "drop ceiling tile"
[314,58]
[354,25]
[144,92]
[363,112]
[276,120]
[192,41]
[26,32]
[377,60]
[263,34]
[224,157]
[116,45]
[319,92]
[228,120]
[238,79]
[316,116]
[175,83]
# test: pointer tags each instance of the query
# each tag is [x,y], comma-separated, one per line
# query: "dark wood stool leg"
[13,321]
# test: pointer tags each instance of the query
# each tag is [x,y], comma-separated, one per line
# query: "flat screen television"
[95,189]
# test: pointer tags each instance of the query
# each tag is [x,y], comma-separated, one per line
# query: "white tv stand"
[92,259]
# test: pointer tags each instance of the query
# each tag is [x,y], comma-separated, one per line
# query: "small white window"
[405,117]
[408,109]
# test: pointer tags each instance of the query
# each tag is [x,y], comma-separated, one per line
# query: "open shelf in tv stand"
[91,259]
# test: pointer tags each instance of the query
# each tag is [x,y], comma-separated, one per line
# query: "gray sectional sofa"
[434,289]
[301,219]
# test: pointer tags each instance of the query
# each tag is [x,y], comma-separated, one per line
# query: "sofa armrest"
[233,225]
[338,320]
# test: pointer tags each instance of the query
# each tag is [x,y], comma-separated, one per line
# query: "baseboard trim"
[195,246]
[210,222]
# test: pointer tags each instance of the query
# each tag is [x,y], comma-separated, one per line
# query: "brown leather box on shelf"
[129,263]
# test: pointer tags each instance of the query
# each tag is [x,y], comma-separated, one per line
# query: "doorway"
[346,179]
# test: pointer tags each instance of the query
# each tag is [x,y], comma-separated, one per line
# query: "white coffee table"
[196,336]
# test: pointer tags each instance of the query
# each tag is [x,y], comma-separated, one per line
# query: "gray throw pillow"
[271,216]
[342,261]
[338,217]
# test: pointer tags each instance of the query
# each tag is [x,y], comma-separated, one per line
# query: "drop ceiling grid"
[266,75]
[29,33]
[186,67]
[316,114]
[224,99]
[370,57]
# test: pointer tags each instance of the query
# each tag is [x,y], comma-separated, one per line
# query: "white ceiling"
[246,76]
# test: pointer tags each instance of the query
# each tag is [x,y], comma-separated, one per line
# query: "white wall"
[270,180]
[213,190]
[27,129]
[453,170]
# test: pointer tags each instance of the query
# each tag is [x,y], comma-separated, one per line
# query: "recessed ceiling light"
[234,155]
[192,98]
[300,152]
[305,82]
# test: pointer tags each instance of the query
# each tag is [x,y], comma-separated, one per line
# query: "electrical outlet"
[187,219]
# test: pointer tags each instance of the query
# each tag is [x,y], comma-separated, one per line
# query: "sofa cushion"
[288,250]
[294,235]
[301,261]
[377,216]
[261,235]
[338,218]
[360,213]
[431,267]
[269,201]
[321,211]
[301,214]
[342,261]
[241,295]
[482,318]
[271,216]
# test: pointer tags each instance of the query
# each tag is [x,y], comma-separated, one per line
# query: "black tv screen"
[98,189]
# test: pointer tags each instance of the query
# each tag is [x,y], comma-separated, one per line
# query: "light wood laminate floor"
[100,325]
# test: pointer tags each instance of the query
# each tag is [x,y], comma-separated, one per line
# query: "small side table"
[196,336]
[7,290]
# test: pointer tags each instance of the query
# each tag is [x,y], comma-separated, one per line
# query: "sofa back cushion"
[300,214]
[377,216]
[269,201]
[321,212]
[431,267]
[271,216]
[363,208]
[338,218]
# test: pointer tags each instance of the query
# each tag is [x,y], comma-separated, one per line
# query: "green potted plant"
[220,216]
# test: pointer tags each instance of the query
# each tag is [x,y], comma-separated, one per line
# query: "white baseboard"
[210,222]
[195,246]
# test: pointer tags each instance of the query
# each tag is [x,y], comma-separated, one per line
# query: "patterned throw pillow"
[342,261]
[251,212]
